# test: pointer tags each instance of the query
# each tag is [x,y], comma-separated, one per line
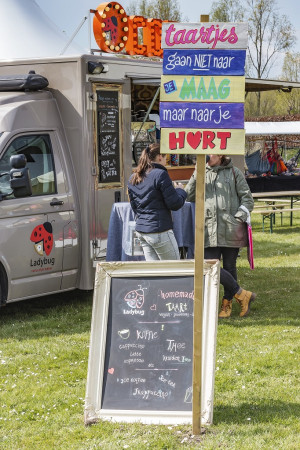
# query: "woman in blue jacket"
[152,198]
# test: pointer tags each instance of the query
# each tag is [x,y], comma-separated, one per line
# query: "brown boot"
[244,298]
[226,308]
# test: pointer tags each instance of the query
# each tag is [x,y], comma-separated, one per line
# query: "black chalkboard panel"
[149,344]
[108,115]
[141,349]
[138,147]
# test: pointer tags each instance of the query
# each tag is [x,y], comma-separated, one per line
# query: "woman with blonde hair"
[152,197]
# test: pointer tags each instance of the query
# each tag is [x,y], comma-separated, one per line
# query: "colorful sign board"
[204,62]
[200,141]
[204,115]
[210,35]
[202,89]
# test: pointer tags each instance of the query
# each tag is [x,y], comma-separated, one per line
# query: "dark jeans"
[228,274]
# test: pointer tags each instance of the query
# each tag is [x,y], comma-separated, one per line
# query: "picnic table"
[275,203]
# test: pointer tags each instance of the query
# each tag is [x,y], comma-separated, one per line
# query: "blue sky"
[67,14]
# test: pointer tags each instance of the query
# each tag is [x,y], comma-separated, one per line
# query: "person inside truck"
[152,197]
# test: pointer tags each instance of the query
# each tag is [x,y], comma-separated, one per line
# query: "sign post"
[202,112]
[198,286]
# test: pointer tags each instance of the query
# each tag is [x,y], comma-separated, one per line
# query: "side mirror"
[20,181]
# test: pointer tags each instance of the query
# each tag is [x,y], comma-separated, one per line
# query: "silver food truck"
[65,158]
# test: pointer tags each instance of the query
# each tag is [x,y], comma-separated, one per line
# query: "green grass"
[44,352]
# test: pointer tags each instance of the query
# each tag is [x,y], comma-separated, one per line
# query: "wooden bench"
[270,214]
[274,207]
[291,197]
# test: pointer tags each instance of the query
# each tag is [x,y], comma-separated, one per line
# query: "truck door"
[33,229]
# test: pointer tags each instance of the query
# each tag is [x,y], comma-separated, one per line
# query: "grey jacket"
[225,191]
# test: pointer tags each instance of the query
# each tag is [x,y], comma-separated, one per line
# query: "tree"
[269,34]
[291,72]
[291,67]
[227,11]
[159,9]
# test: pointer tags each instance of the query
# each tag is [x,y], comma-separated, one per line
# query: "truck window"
[38,152]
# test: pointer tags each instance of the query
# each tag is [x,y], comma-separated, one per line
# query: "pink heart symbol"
[153,307]
[194,139]
[111,371]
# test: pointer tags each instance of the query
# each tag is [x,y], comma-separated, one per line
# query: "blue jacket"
[153,199]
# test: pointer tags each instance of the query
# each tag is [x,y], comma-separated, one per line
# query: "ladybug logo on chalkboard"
[43,238]
[135,299]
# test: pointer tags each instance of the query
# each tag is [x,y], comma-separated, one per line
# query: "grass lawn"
[44,346]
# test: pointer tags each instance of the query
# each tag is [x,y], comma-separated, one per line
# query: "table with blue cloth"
[119,246]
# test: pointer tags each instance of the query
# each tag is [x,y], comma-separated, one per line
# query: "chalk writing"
[134,361]
[188,395]
[108,143]
[145,394]
[150,355]
[176,358]
[177,294]
[133,312]
[177,307]
[132,345]
[148,335]
[166,381]
[175,346]
[108,135]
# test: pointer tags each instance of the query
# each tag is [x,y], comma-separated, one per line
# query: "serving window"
[145,129]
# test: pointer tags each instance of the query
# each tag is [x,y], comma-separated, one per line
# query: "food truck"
[71,130]
[76,136]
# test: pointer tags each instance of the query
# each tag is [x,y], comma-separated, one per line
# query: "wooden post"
[198,287]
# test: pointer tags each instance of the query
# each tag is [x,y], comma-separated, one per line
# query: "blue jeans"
[159,245]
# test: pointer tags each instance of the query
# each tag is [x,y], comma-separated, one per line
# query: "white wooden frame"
[104,273]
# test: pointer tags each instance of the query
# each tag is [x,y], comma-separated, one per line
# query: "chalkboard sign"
[141,353]
[138,147]
[142,135]
[108,123]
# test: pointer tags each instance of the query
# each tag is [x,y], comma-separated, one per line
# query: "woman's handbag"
[250,240]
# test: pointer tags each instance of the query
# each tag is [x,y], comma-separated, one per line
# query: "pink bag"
[250,240]
[250,247]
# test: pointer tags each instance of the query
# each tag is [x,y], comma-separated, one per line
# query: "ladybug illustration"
[135,299]
[43,238]
[110,27]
